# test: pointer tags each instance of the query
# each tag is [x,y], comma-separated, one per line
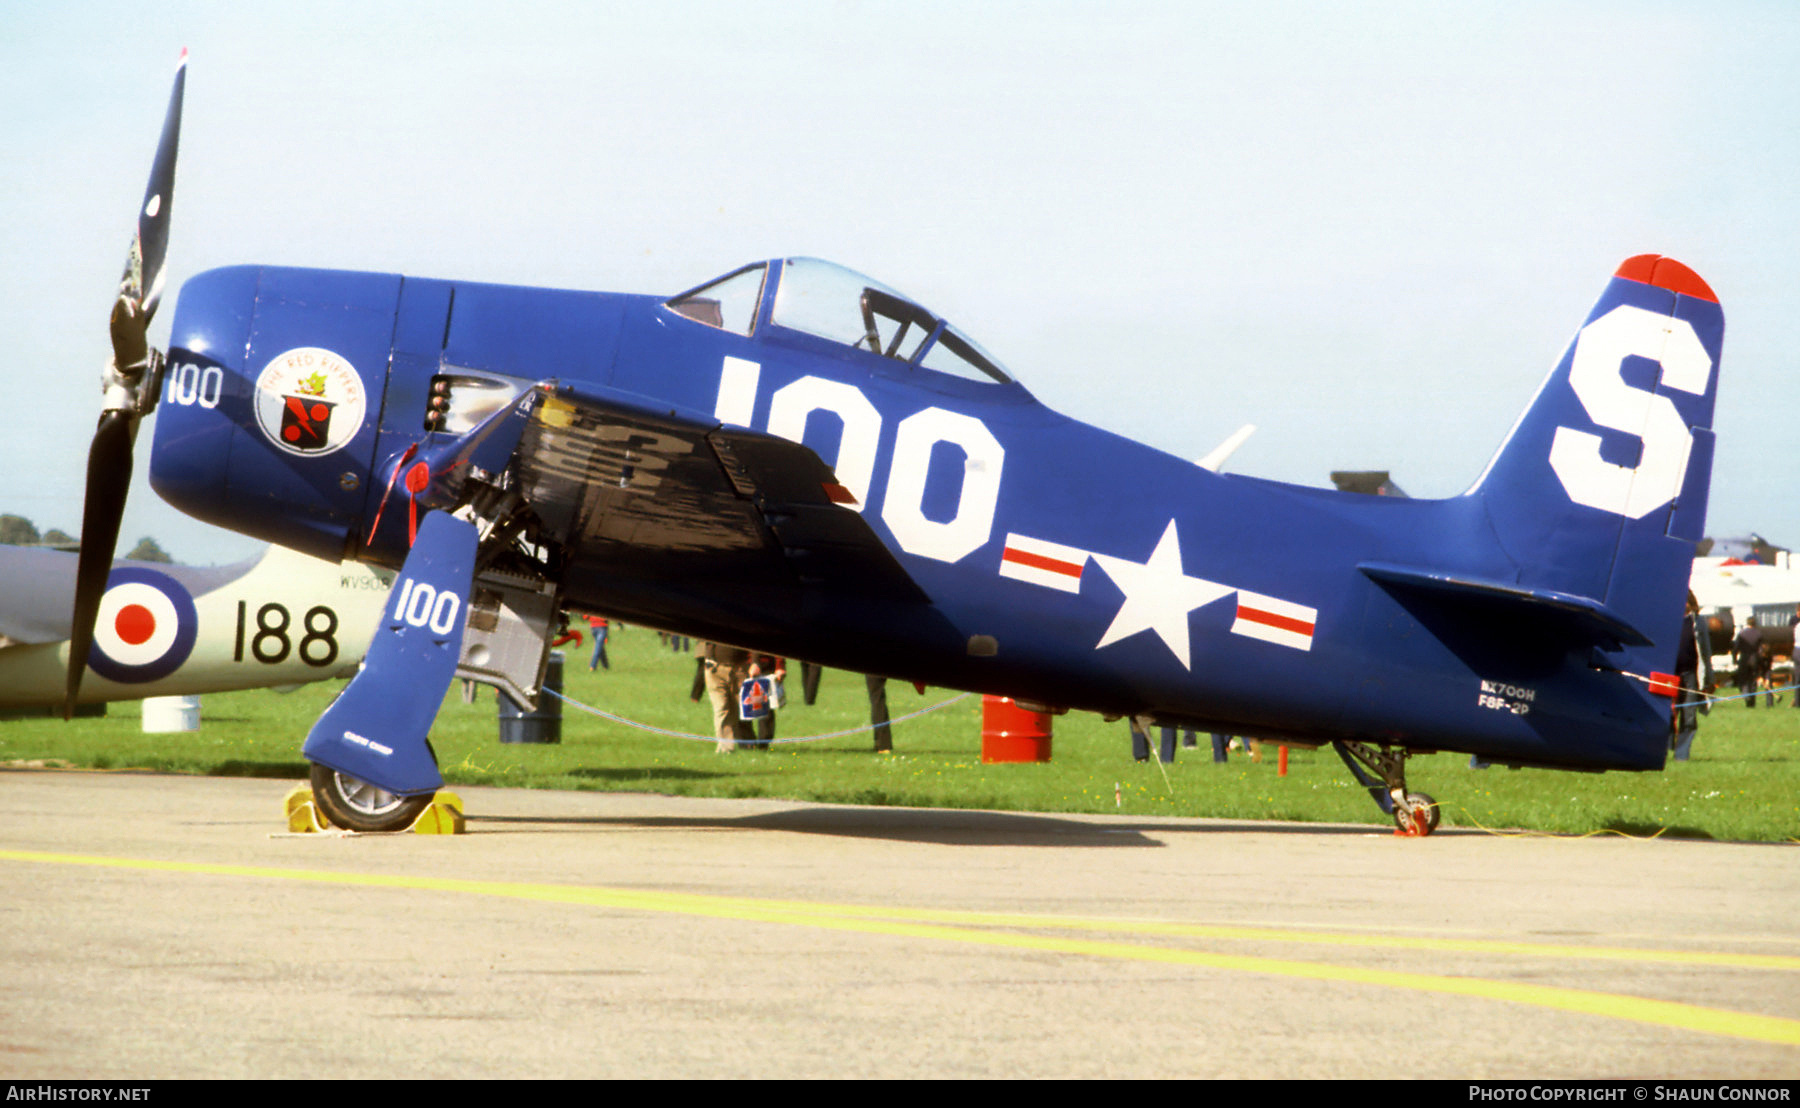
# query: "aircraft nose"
[203,383]
[267,419]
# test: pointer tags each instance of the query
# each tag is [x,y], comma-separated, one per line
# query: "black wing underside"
[643,497]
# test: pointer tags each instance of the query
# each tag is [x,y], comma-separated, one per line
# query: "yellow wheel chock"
[443,816]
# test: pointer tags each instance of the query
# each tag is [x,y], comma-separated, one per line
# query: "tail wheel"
[1418,816]
[356,805]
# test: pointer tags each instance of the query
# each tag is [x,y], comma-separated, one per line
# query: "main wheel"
[354,804]
[1418,816]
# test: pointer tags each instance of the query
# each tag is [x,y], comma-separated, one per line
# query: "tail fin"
[1600,490]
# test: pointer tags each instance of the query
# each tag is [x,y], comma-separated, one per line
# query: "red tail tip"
[1665,273]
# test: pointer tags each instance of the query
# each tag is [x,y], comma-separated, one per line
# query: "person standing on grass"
[1140,741]
[1746,654]
[1794,654]
[1221,744]
[1687,673]
[599,628]
[878,704]
[726,668]
[766,665]
[878,713]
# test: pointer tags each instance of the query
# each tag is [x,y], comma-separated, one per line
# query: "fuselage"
[1062,563]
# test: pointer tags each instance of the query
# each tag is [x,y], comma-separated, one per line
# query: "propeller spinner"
[130,385]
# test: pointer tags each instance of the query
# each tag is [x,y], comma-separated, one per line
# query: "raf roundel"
[145,629]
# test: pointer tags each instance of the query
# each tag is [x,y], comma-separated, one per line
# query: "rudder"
[1600,489]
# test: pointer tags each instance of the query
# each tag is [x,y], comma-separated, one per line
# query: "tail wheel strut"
[1382,770]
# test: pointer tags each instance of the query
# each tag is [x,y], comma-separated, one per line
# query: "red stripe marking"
[1280,623]
[1665,684]
[392,477]
[838,494]
[1038,561]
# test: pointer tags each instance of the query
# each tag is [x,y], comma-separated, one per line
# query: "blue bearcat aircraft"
[798,458]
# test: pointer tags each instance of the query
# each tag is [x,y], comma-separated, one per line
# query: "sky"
[1368,229]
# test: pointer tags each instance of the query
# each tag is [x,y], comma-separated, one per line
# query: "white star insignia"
[1158,596]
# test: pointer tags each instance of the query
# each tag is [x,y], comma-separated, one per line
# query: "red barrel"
[1010,733]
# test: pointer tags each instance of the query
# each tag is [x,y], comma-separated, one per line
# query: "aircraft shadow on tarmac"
[296,770]
[950,827]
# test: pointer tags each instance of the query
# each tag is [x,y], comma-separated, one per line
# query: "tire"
[356,805]
[1420,817]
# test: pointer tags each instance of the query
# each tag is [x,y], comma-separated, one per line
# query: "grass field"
[1742,784]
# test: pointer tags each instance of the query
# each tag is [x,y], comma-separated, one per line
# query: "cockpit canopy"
[831,302]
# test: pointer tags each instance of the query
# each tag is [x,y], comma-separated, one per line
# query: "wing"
[642,498]
[41,589]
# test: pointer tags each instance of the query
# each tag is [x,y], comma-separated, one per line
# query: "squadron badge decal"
[310,401]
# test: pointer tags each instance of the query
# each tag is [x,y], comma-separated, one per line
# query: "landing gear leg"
[1415,814]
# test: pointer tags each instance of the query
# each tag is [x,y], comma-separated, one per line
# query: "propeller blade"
[142,280]
[130,392]
[108,478]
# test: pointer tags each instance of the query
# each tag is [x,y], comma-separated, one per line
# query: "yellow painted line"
[1324,938]
[922,924]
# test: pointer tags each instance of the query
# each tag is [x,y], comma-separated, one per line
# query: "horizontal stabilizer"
[1585,618]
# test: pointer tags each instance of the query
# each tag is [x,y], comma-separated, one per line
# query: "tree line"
[19,531]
